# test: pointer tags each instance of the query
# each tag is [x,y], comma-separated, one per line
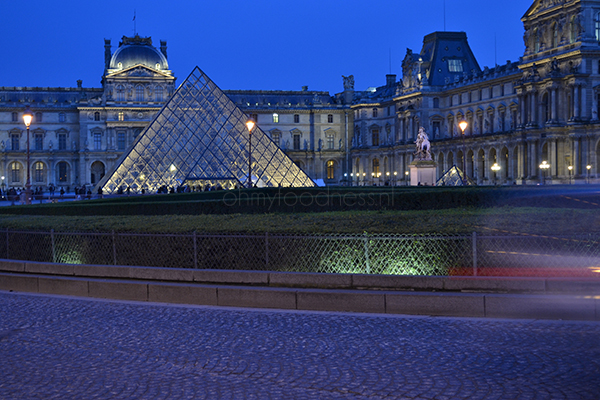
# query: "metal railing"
[389,254]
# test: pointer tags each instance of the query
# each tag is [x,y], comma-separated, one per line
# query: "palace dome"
[135,51]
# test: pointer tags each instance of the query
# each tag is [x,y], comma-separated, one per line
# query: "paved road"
[55,347]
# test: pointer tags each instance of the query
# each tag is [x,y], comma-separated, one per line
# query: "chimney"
[390,80]
[107,55]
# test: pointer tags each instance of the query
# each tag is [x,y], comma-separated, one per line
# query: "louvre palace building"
[540,109]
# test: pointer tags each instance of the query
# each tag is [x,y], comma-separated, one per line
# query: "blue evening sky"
[249,44]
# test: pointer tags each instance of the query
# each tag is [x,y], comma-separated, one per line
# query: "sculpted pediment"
[541,5]
[139,71]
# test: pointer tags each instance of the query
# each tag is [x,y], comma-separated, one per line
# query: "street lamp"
[250,125]
[495,168]
[570,168]
[406,176]
[588,167]
[463,125]
[27,117]
[544,167]
[395,178]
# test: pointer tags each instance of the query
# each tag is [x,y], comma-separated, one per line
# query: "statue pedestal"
[423,172]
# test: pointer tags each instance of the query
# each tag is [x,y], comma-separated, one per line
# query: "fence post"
[114,243]
[195,251]
[366,242]
[267,250]
[474,240]
[53,248]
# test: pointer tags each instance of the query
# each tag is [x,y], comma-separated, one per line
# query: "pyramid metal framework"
[454,177]
[201,135]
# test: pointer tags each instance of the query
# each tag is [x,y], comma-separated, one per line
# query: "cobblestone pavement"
[55,347]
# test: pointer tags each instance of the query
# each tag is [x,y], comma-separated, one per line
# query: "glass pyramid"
[454,177]
[200,135]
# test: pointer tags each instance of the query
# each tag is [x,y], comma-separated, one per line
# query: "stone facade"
[543,107]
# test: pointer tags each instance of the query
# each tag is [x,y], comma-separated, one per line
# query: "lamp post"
[395,178]
[544,167]
[406,177]
[463,125]
[570,168]
[588,168]
[27,117]
[495,168]
[250,125]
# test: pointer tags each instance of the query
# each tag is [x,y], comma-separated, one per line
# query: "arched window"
[120,93]
[275,118]
[96,116]
[96,171]
[330,169]
[39,172]
[62,170]
[139,93]
[15,172]
[376,171]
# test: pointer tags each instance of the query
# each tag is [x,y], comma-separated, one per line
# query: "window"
[275,118]
[159,93]
[455,65]
[139,93]
[97,140]
[15,172]
[276,136]
[120,93]
[296,142]
[62,117]
[555,34]
[15,117]
[14,141]
[536,38]
[121,140]
[436,102]
[62,141]
[330,169]
[573,30]
[330,119]
[296,118]
[375,137]
[39,173]
[330,142]
[63,172]
[376,172]
[374,113]
[38,117]
[121,116]
[39,141]
[96,116]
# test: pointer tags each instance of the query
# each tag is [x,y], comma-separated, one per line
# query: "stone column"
[576,102]
[534,108]
[576,157]
[554,105]
[553,159]
[487,164]
[583,104]
[522,100]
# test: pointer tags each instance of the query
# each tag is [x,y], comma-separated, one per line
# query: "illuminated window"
[376,167]
[39,172]
[97,140]
[63,172]
[455,65]
[330,142]
[330,169]
[39,141]
[62,141]
[15,172]
[121,116]
[62,117]
[330,119]
[296,118]
[275,118]
[139,93]
[14,142]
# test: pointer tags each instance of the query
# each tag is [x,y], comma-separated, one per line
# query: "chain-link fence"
[460,255]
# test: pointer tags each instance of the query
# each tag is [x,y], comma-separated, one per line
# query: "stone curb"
[493,305]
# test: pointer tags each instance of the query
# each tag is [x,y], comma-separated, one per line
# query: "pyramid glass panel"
[200,137]
[454,177]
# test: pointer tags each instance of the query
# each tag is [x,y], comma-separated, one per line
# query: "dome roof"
[134,51]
